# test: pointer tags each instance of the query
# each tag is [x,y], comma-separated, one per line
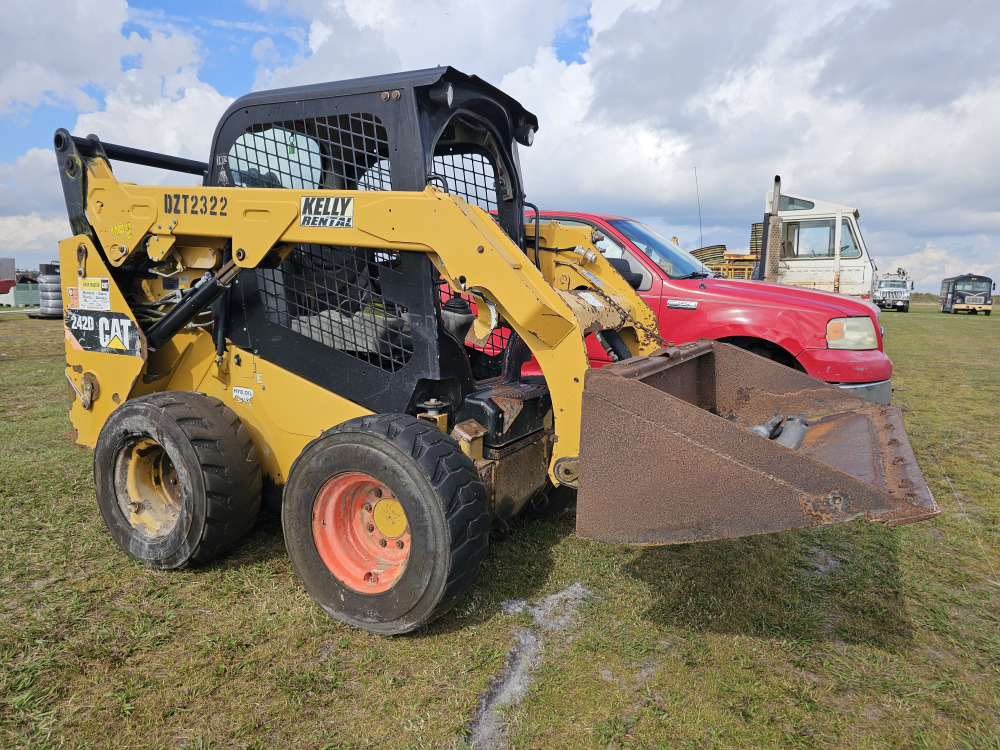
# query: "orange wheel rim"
[361,532]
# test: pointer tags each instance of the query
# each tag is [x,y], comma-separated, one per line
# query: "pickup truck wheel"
[386,522]
[177,478]
[767,350]
[906,307]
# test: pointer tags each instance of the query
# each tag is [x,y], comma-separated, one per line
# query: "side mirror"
[913,285]
[994,286]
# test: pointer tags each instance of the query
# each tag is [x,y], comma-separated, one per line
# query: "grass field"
[848,636]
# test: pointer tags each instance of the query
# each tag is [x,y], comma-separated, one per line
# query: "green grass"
[847,636]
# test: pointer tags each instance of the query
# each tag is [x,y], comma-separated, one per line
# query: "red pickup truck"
[829,336]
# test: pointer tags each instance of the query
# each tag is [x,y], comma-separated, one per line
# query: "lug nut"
[381,542]
[370,527]
[377,492]
[399,544]
[368,507]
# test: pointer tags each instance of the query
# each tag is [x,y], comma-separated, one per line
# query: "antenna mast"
[701,237]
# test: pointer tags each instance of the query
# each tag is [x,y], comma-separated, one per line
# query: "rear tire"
[177,477]
[392,570]
[906,307]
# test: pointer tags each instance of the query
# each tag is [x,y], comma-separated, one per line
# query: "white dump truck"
[813,243]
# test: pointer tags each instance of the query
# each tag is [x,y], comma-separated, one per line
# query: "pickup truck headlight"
[851,333]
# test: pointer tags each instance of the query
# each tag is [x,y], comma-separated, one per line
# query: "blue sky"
[886,105]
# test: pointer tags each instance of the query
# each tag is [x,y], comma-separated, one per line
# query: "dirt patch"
[822,561]
[554,614]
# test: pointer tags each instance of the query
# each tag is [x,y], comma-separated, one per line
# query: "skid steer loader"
[337,316]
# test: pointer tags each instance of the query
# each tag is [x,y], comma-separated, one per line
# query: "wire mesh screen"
[345,152]
[470,175]
[332,295]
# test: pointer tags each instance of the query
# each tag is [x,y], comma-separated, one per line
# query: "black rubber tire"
[987,312]
[906,307]
[54,296]
[446,511]
[217,473]
[49,278]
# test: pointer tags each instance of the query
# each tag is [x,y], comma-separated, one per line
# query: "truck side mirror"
[913,285]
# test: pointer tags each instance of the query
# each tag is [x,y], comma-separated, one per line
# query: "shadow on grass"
[517,566]
[830,584]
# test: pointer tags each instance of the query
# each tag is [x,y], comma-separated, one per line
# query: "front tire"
[177,478]
[386,522]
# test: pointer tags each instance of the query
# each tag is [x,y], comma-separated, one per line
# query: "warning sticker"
[321,211]
[113,333]
[95,294]
[243,395]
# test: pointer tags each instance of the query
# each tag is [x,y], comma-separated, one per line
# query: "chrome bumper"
[879,392]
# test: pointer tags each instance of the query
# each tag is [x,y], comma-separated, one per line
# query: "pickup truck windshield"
[892,285]
[676,263]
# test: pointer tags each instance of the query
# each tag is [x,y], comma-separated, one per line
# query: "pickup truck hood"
[783,295]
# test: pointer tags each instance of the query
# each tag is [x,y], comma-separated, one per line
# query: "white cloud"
[372,37]
[52,51]
[32,239]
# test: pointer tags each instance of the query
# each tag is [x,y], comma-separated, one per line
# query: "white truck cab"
[816,244]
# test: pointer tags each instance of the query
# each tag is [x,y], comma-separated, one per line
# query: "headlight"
[851,333]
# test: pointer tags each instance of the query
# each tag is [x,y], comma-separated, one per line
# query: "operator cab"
[367,323]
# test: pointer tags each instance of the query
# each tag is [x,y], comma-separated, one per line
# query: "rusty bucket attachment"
[667,454]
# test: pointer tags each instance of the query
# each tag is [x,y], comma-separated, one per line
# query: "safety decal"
[321,211]
[122,230]
[112,333]
[243,395]
[682,304]
[94,294]
[222,162]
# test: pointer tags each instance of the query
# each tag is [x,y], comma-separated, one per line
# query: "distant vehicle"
[967,292]
[812,243]
[892,291]
[829,336]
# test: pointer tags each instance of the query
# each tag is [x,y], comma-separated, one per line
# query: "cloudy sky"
[892,106]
